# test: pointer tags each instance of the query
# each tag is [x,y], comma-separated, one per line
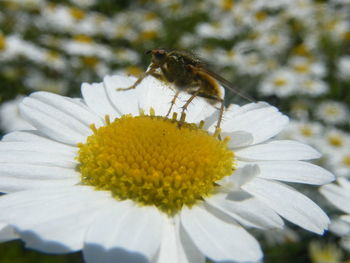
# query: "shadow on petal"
[34,241]
[97,253]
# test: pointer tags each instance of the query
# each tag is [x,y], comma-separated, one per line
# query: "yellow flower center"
[332,111]
[306,131]
[279,82]
[52,55]
[2,42]
[77,13]
[346,35]
[302,68]
[260,16]
[346,160]
[227,4]
[301,50]
[90,61]
[152,161]
[150,16]
[83,39]
[335,140]
[149,34]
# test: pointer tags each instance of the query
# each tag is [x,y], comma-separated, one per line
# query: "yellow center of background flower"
[152,161]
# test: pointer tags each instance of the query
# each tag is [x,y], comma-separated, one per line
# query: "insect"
[187,73]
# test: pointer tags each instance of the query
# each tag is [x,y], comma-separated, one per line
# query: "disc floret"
[152,161]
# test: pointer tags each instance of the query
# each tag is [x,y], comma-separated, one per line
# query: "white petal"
[250,212]
[72,107]
[278,150]
[12,184]
[339,227]
[343,182]
[53,122]
[289,203]
[346,218]
[199,109]
[158,96]
[238,139]
[41,147]
[239,177]
[58,218]
[234,110]
[38,158]
[33,172]
[338,196]
[96,98]
[27,136]
[262,123]
[176,246]
[218,239]
[125,232]
[7,233]
[294,171]
[125,101]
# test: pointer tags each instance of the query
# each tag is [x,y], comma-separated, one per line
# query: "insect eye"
[159,54]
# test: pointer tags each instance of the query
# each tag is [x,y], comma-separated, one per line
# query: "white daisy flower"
[276,237]
[300,109]
[83,45]
[333,142]
[312,87]
[303,131]
[307,67]
[332,112]
[339,163]
[250,64]
[281,83]
[339,196]
[35,80]
[13,46]
[325,253]
[102,176]
[223,28]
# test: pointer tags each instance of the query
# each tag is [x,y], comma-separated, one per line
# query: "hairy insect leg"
[140,79]
[221,115]
[172,103]
[185,106]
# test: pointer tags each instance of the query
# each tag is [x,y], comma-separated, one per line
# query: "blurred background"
[293,54]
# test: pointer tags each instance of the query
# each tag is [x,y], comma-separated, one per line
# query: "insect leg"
[221,115]
[185,106]
[173,102]
[140,79]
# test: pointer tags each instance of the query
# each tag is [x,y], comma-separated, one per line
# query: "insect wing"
[225,83]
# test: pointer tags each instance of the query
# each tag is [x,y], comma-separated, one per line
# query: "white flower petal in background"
[338,196]
[7,233]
